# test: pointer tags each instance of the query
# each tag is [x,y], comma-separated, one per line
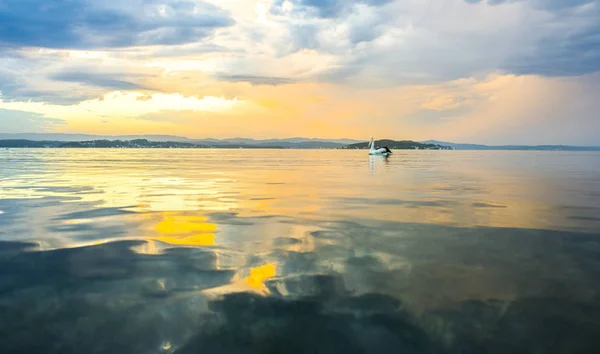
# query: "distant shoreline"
[276,144]
[145,143]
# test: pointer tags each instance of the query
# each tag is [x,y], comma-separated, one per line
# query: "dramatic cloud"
[93,24]
[109,80]
[565,43]
[540,4]
[408,42]
[322,8]
[255,80]
[445,69]
[67,77]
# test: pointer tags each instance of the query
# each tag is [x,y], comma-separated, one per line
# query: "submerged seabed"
[86,269]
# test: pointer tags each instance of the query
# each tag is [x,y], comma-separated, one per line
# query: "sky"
[479,71]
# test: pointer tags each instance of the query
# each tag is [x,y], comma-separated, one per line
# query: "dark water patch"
[457,189]
[10,204]
[90,231]
[286,241]
[487,205]
[266,198]
[75,324]
[430,265]
[193,258]
[97,213]
[292,262]
[102,299]
[94,267]
[322,286]
[577,208]
[531,325]
[56,189]
[328,235]
[399,202]
[371,274]
[584,218]
[332,253]
[369,303]
[372,286]
[314,324]
[67,267]
[9,247]
[340,225]
[235,219]
[230,219]
[223,215]
[367,263]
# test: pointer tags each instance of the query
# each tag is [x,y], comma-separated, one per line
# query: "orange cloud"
[465,109]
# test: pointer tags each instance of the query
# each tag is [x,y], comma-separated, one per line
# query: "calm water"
[291,251]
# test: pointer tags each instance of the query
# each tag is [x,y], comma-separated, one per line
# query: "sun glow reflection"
[259,275]
[186,230]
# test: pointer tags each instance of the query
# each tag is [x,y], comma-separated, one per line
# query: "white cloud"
[12,121]
[128,104]
[394,43]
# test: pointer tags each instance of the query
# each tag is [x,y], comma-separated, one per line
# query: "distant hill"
[87,137]
[308,143]
[145,143]
[514,147]
[136,143]
[400,145]
[291,143]
[59,140]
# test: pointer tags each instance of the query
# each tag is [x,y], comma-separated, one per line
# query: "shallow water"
[299,251]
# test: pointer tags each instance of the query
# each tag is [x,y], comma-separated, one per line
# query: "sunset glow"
[274,69]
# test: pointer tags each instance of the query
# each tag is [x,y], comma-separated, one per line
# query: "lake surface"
[299,251]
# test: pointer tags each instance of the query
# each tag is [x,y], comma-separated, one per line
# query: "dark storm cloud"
[572,54]
[325,8]
[539,4]
[14,88]
[561,53]
[15,85]
[559,4]
[85,24]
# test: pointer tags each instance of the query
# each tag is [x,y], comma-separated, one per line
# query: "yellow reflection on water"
[194,240]
[186,230]
[258,276]
[178,224]
[255,282]
[465,189]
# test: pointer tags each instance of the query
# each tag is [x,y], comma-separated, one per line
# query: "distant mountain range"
[298,142]
[160,141]
[456,146]
[140,141]
[400,145]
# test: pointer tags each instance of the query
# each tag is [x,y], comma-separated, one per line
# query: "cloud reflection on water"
[427,289]
[211,251]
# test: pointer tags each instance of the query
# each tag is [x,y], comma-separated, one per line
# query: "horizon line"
[297,137]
